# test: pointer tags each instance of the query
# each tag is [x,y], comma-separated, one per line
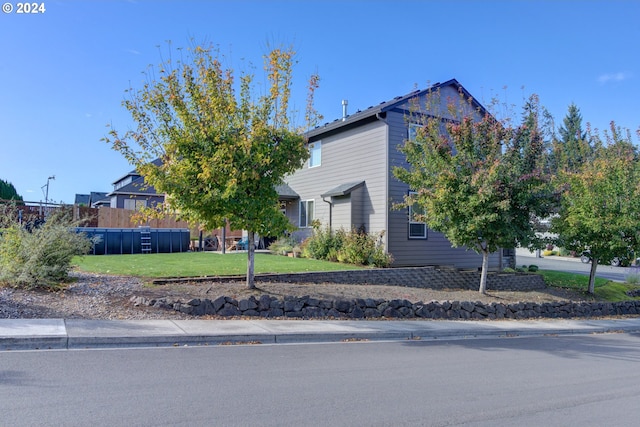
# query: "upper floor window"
[417,228]
[122,183]
[315,154]
[306,213]
[413,131]
[134,204]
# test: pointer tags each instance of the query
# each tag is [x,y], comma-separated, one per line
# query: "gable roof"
[371,113]
[137,186]
[135,173]
[82,199]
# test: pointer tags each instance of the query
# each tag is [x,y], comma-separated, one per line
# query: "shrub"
[565,252]
[632,279]
[323,244]
[39,257]
[357,248]
[533,268]
[282,245]
[379,258]
[354,247]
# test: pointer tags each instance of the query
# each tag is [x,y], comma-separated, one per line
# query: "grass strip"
[605,290]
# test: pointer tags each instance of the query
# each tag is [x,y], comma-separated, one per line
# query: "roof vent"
[344,109]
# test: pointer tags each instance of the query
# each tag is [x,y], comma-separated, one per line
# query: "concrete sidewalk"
[29,334]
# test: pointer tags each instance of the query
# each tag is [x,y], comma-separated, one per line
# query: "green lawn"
[604,289]
[196,264]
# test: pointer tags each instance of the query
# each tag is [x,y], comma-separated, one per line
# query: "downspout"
[330,212]
[383,118]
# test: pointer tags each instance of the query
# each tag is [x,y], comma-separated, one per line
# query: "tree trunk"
[250,257]
[592,276]
[483,274]
[224,237]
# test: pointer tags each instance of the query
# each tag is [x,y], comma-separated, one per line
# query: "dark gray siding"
[435,249]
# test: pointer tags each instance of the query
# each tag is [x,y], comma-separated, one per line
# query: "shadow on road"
[625,346]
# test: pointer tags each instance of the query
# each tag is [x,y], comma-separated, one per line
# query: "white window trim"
[307,221]
[411,222]
[315,145]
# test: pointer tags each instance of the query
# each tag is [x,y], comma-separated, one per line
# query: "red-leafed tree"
[478,180]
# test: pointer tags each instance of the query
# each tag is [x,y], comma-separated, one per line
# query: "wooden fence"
[122,218]
[105,217]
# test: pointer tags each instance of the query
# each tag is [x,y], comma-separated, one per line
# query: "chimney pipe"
[344,109]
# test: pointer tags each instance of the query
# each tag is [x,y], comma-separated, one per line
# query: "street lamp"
[46,194]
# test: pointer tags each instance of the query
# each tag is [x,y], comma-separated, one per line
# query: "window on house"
[315,154]
[412,132]
[134,204]
[306,213]
[417,228]
[122,183]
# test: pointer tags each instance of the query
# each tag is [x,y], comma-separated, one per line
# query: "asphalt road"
[568,381]
[574,265]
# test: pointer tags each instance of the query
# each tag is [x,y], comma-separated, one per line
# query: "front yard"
[198,264]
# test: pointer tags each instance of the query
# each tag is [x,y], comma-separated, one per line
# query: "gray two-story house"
[348,182]
[132,192]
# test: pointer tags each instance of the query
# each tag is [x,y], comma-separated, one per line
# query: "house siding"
[342,215]
[366,149]
[358,154]
[357,207]
[435,249]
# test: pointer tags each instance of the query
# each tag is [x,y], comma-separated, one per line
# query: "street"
[573,265]
[551,380]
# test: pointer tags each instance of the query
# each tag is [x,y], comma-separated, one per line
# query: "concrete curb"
[35,334]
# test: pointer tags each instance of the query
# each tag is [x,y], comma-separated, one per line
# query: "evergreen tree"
[8,191]
[573,148]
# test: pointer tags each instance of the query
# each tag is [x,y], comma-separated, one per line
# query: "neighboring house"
[93,200]
[348,183]
[98,199]
[82,199]
[131,192]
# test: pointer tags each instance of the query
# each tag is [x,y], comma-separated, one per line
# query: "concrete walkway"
[31,334]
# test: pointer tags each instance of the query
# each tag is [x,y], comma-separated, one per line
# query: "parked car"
[622,261]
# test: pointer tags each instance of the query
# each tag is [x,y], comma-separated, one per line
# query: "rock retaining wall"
[308,308]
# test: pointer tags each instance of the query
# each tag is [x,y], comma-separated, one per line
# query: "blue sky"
[63,73]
